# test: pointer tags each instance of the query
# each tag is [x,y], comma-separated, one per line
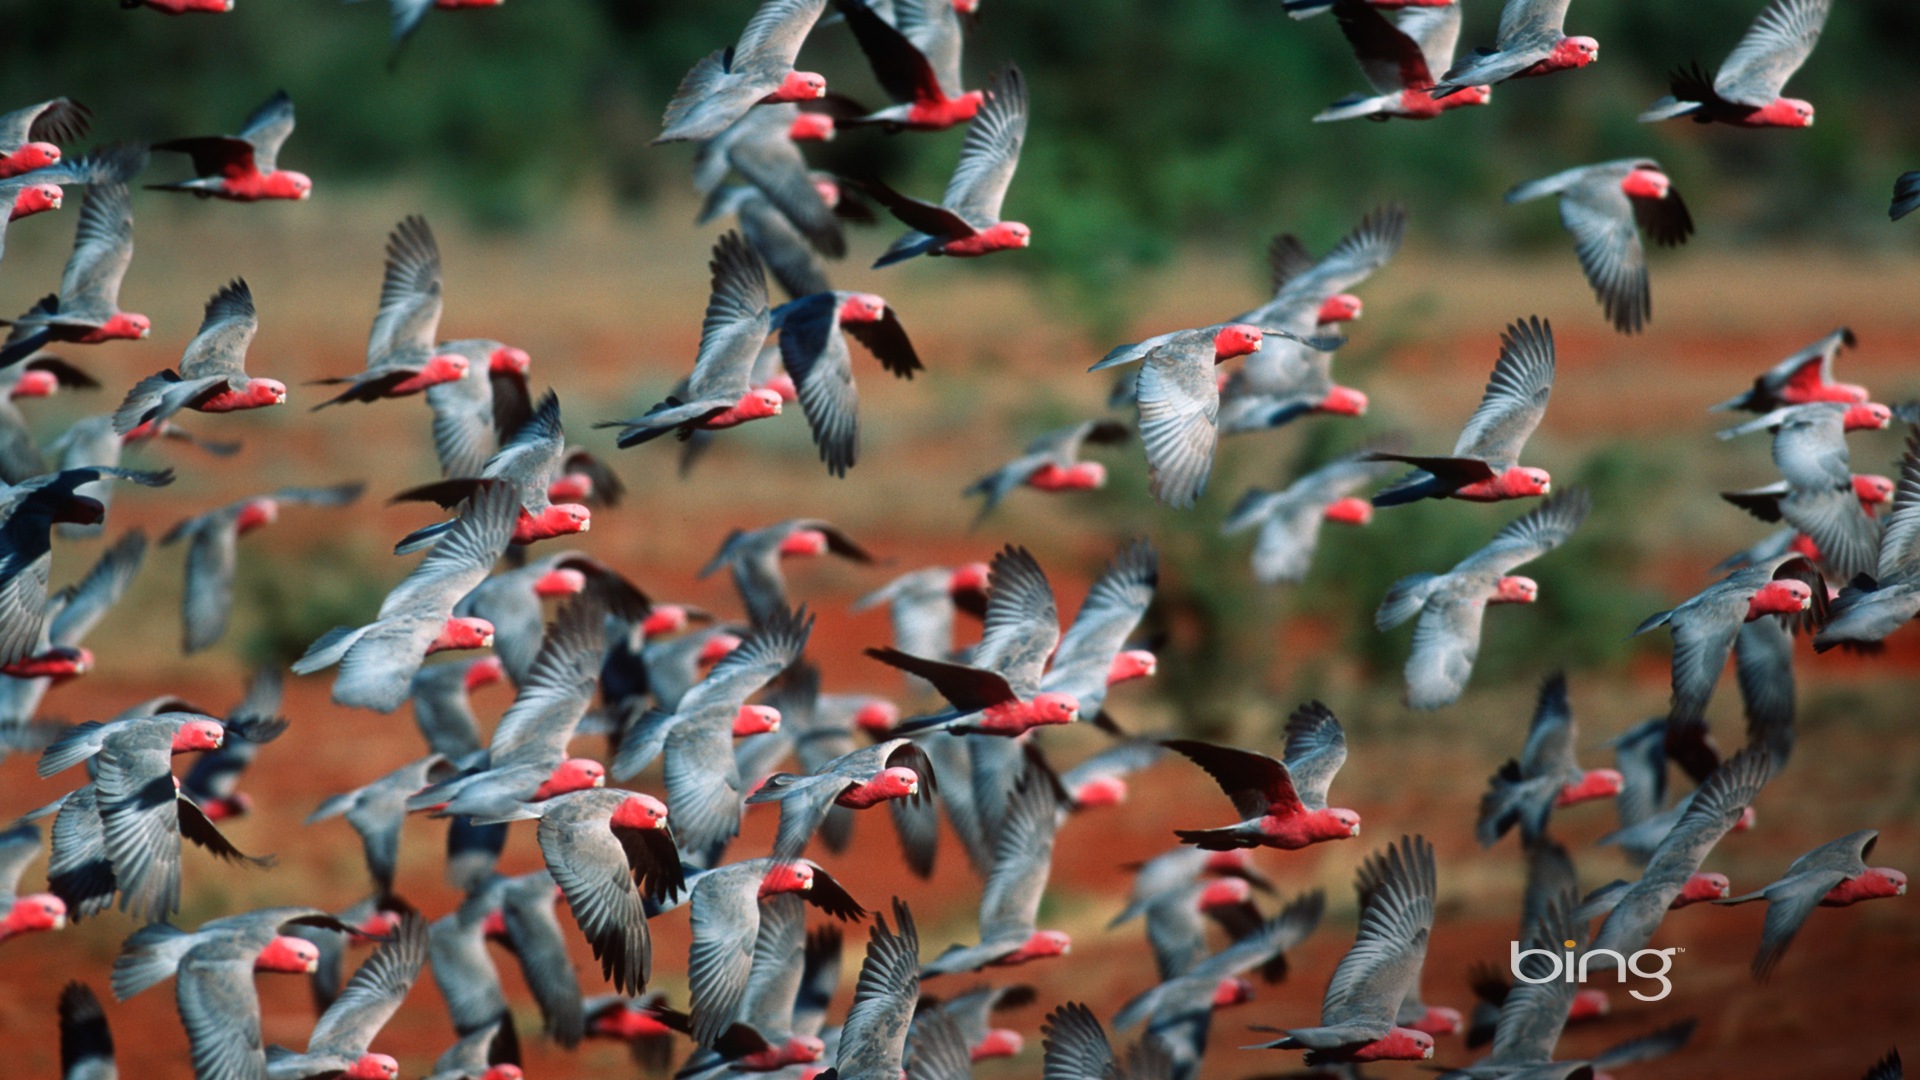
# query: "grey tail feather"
[1667,108]
[1351,107]
[905,248]
[329,648]
[1403,601]
[1655,620]
[147,395]
[70,750]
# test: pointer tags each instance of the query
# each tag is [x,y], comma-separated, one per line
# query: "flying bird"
[967,221]
[243,167]
[1746,90]
[86,310]
[1283,804]
[1051,463]
[212,539]
[1819,495]
[1801,379]
[212,375]
[1452,606]
[1402,59]
[813,347]
[1178,395]
[1532,40]
[402,357]
[915,55]
[1545,776]
[528,464]
[1606,207]
[757,69]
[1835,874]
[30,136]
[1289,520]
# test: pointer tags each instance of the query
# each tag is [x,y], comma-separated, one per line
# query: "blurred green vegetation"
[1156,121]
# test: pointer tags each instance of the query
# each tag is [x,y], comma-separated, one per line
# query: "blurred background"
[1169,142]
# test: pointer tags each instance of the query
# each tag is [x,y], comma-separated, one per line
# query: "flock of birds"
[724,706]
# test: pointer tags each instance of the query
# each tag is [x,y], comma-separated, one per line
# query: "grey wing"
[767,651]
[1531,535]
[934,28]
[221,1012]
[1775,46]
[1810,447]
[1075,1047]
[1601,218]
[1179,408]
[873,1041]
[726,920]
[991,151]
[1900,539]
[1446,641]
[1763,664]
[1022,624]
[590,865]
[1549,749]
[775,166]
[1533,1014]
[1316,748]
[1370,246]
[1525,21]
[88,602]
[267,129]
[1437,30]
[1516,395]
[219,347]
[463,435]
[937,1049]
[102,251]
[773,36]
[409,317]
[1789,903]
[528,906]
[736,324]
[374,993]
[60,120]
[19,846]
[815,354]
[1112,610]
[1847,538]
[702,787]
[464,972]
[1715,808]
[1283,549]
[1022,860]
[140,815]
[1702,638]
[1385,960]
[558,687]
[774,979]
[461,558]
[207,596]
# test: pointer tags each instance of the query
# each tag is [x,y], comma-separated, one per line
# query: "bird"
[39,190]
[1820,496]
[915,55]
[1363,999]
[1452,606]
[211,376]
[762,147]
[1532,41]
[999,690]
[27,913]
[1746,90]
[872,1044]
[1010,903]
[528,464]
[213,780]
[1485,463]
[757,69]
[1051,463]
[1537,1006]
[1547,775]
[212,539]
[1289,520]
[1872,605]
[86,310]
[243,167]
[967,221]
[474,414]
[402,357]
[813,348]
[1606,207]
[1835,874]
[1283,804]
[752,558]
[30,136]
[718,394]
[1402,60]
[1178,396]
[340,1041]
[378,660]
[1801,379]
[896,769]
[1076,1048]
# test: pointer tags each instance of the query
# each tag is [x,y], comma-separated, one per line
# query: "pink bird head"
[573,774]
[1042,944]
[877,717]
[560,581]
[1131,664]
[1867,416]
[997,1043]
[1236,339]
[58,662]
[1100,791]
[34,913]
[1783,597]
[665,619]
[862,308]
[1873,490]
[463,632]
[971,578]
[1515,589]
[1702,887]
[257,513]
[507,360]
[896,782]
[1594,784]
[1080,476]
[504,1071]
[442,368]
[485,672]
[1230,991]
[378,925]
[1646,184]
[1339,308]
[1588,1003]
[1399,1044]
[755,720]
[287,184]
[1335,823]
[802,1050]
[716,648]
[288,956]
[1053,707]
[33,155]
[1573,52]
[34,199]
[563,519]
[1472,95]
[199,735]
[640,812]
[966,7]
[786,877]
[35,384]
[125,326]
[260,394]
[1440,1020]
[1343,401]
[81,510]
[1224,892]
[373,1067]
[799,86]
[811,127]
[804,542]
[1525,481]
[1877,883]
[1005,235]
[1783,112]
[1349,511]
